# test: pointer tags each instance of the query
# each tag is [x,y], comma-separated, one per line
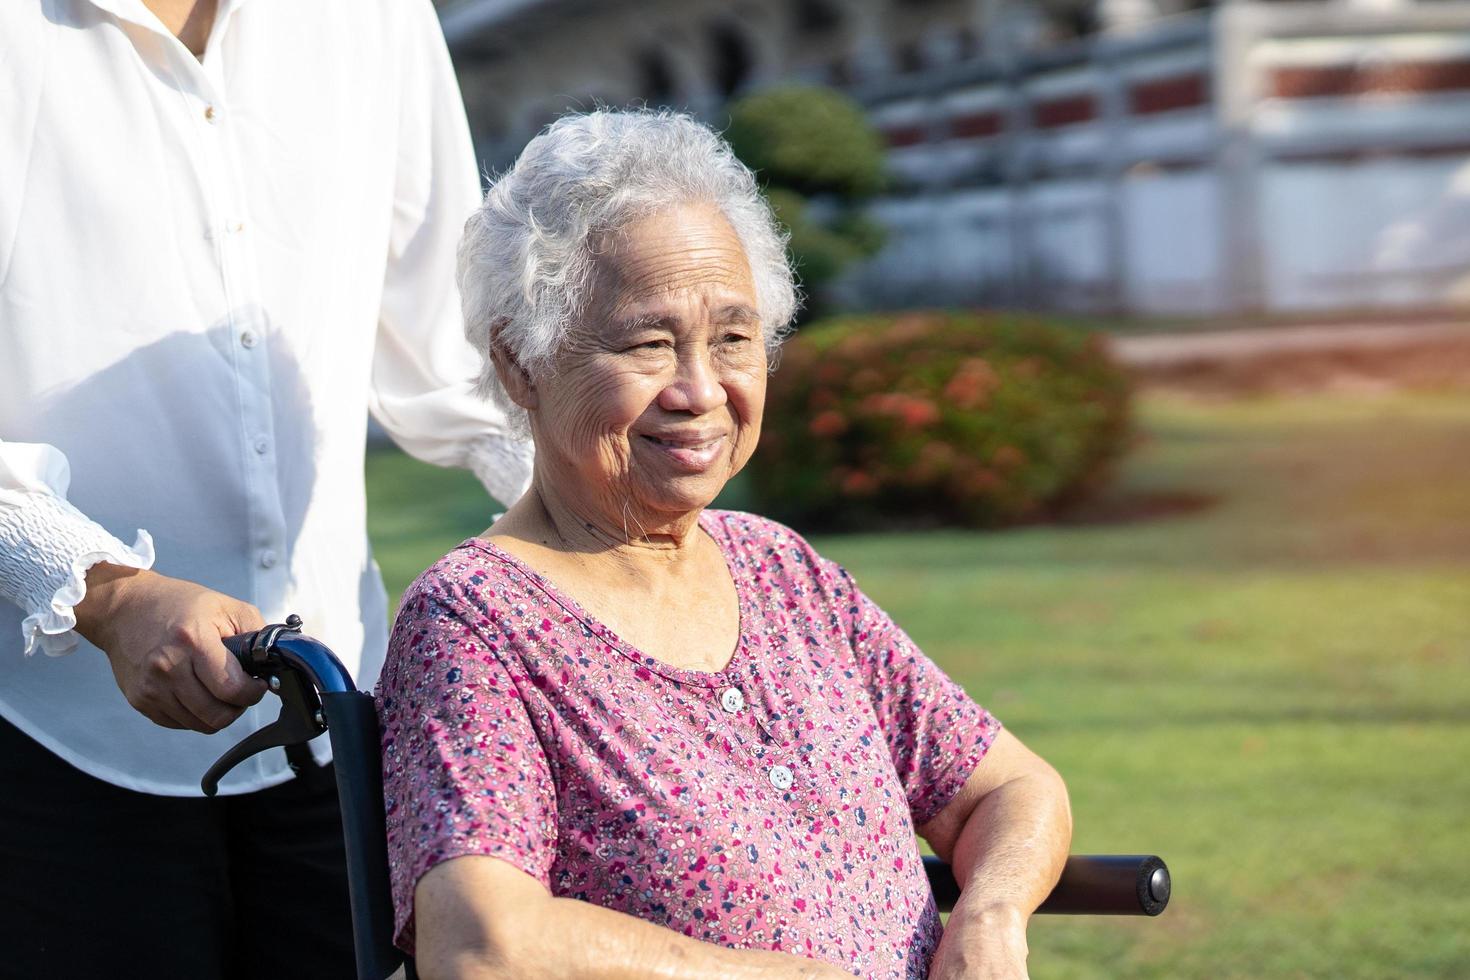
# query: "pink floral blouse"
[769,805]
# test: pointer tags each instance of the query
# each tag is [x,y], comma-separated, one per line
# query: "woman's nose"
[696,386]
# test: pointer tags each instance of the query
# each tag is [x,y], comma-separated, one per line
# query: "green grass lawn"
[1271,691]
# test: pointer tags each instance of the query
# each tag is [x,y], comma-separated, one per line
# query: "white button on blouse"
[732,700]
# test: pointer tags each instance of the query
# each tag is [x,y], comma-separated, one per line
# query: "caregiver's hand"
[163,636]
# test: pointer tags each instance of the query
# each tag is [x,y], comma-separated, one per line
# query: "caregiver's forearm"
[537,936]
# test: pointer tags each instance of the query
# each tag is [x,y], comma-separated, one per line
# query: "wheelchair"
[318,695]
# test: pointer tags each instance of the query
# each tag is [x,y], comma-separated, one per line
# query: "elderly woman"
[627,736]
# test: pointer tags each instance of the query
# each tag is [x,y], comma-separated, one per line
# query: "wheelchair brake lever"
[301,709]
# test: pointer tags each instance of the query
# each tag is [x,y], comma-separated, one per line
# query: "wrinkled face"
[656,402]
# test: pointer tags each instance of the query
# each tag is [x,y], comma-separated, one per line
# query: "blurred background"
[1145,157]
[1135,384]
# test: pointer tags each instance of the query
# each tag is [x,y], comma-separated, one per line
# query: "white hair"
[526,258]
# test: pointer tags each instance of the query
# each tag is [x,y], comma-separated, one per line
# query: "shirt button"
[261,446]
[732,700]
[781,777]
[268,560]
[211,114]
[248,339]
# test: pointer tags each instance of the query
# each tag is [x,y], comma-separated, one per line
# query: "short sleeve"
[464,772]
[936,732]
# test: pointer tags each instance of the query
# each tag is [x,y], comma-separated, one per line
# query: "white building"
[1108,157]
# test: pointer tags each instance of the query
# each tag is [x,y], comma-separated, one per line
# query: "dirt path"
[1341,357]
[1164,349]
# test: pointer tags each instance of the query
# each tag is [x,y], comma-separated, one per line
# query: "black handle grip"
[1110,884]
[242,648]
[257,651]
[1091,884]
[239,646]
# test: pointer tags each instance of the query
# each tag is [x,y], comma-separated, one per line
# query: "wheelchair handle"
[281,647]
[317,695]
[300,670]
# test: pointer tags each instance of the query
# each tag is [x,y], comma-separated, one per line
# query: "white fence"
[1258,158]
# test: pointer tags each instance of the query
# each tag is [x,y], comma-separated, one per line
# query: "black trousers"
[101,882]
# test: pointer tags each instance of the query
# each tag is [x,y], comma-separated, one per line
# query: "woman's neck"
[630,583]
[599,533]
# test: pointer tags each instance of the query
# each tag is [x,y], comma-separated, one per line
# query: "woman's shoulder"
[475,597]
[471,576]
[776,549]
[741,529]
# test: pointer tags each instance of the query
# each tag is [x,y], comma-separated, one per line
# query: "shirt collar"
[136,12]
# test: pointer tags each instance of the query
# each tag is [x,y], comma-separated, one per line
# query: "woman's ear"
[514,378]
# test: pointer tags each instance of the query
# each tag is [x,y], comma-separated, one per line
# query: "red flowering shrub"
[937,418]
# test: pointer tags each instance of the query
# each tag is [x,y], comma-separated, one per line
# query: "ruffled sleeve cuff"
[503,465]
[46,548]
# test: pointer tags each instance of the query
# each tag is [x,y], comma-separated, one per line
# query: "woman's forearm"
[594,942]
[577,939]
[1006,858]
[526,933]
[1012,848]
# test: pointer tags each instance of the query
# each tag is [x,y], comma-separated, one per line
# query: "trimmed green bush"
[808,143]
[938,418]
[813,140]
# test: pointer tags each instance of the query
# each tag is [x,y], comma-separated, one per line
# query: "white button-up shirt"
[209,272]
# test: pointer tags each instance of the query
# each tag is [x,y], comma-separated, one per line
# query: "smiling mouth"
[684,442]
[695,452]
